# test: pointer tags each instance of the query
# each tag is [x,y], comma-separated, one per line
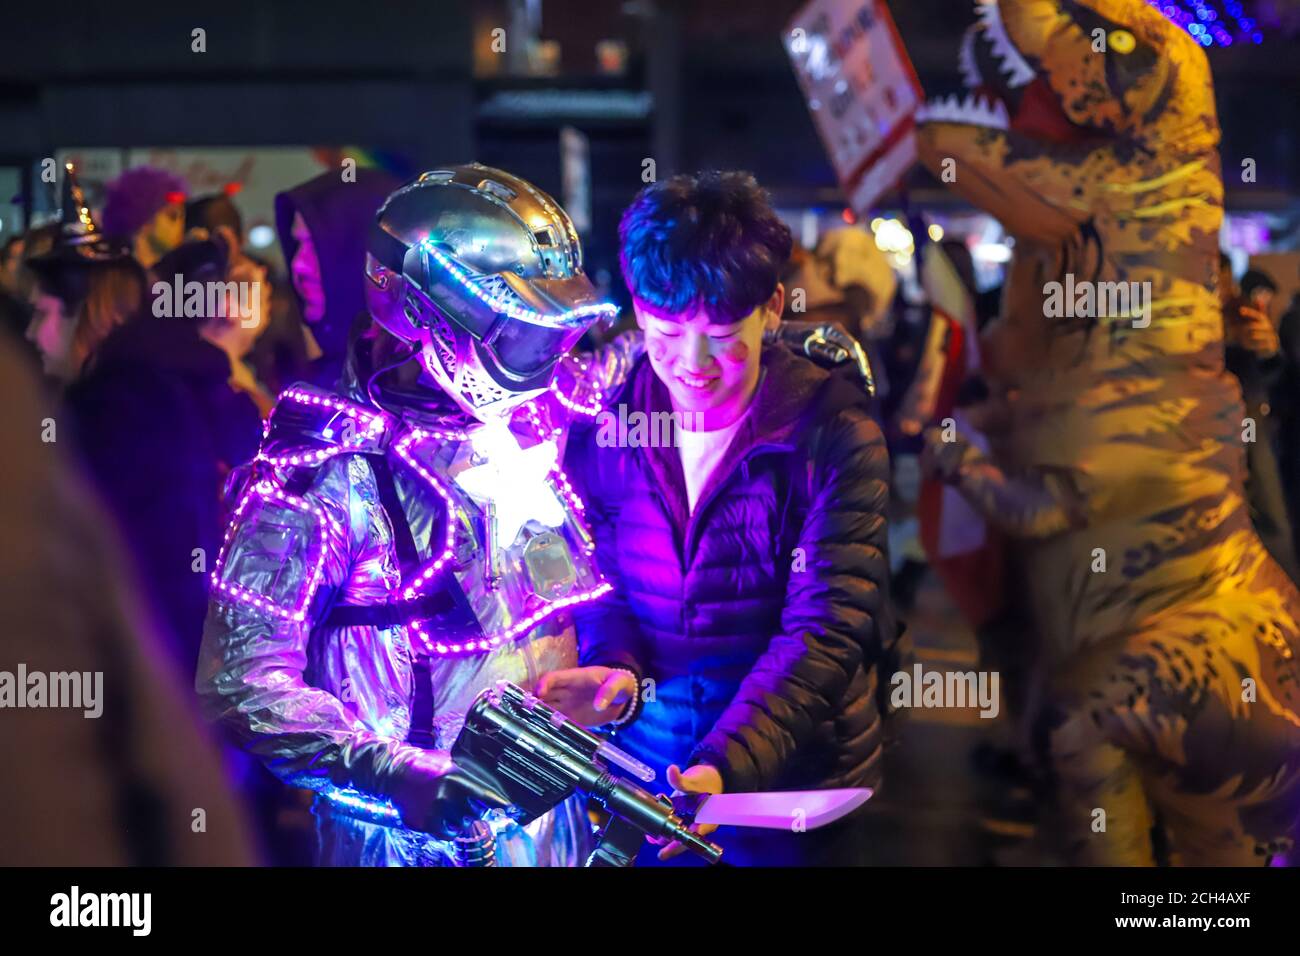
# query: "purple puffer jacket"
[763,617]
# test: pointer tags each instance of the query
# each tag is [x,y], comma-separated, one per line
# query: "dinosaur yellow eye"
[1121,41]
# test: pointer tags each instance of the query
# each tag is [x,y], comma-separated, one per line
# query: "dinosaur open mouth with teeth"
[1005,91]
[1068,99]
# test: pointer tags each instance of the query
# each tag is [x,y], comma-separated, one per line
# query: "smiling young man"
[748,557]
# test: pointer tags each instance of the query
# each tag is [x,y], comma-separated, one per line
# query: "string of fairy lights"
[1223,23]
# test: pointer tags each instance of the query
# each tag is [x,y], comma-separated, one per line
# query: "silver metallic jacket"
[341,668]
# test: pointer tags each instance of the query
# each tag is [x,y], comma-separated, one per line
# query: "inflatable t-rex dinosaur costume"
[1170,637]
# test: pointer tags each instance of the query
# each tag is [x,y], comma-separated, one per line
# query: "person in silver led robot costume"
[403,543]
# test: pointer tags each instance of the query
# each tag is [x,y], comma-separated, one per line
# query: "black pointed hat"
[80,239]
[78,230]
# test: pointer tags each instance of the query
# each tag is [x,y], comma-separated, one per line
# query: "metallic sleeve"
[588,379]
[253,662]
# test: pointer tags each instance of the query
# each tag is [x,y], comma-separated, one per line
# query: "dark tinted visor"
[522,348]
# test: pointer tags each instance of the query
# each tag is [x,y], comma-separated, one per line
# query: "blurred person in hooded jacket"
[275,351]
[323,225]
[1252,353]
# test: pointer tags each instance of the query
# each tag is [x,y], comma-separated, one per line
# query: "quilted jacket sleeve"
[836,613]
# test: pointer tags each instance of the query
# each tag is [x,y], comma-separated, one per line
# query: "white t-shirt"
[701,453]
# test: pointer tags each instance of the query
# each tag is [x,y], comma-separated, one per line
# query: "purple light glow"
[600,309]
[519,627]
[566,489]
[241,595]
[1191,15]
[402,448]
[488,643]
[373,424]
[574,407]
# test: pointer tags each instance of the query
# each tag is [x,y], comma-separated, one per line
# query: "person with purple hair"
[144,209]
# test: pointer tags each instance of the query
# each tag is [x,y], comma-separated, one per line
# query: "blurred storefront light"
[992,252]
[259,237]
[894,238]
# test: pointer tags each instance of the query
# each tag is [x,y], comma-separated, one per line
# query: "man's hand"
[944,460]
[590,695]
[702,778]
[435,796]
[1252,330]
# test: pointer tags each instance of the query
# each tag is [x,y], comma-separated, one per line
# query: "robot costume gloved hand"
[398,546]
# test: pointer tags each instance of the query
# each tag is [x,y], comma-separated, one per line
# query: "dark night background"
[418,82]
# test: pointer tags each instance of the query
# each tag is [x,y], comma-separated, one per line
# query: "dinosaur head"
[1067,96]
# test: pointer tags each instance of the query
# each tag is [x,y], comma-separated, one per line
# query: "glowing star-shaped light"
[513,479]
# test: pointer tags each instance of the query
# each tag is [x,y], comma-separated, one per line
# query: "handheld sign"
[861,90]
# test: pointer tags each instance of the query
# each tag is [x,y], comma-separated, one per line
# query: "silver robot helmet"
[484,272]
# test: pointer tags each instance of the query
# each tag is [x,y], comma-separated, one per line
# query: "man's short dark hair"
[1256,279]
[212,211]
[711,240]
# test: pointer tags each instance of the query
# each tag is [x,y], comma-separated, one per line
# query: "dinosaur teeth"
[972,111]
[1018,72]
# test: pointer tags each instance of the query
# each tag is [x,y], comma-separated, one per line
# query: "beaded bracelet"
[633,706]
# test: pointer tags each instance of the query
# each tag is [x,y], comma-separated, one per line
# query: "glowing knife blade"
[780,810]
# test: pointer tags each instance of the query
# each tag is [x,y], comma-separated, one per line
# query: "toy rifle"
[537,758]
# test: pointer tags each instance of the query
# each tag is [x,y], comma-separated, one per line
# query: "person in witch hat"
[86,285]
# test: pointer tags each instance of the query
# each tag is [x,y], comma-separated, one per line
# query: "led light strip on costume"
[534,416]
[372,426]
[403,450]
[566,489]
[478,645]
[567,492]
[241,595]
[574,407]
[446,436]
[267,491]
[601,309]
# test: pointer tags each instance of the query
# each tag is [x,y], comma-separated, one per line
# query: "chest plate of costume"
[431,564]
[509,548]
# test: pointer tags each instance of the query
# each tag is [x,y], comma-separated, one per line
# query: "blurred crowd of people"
[156,407]
[922,338]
